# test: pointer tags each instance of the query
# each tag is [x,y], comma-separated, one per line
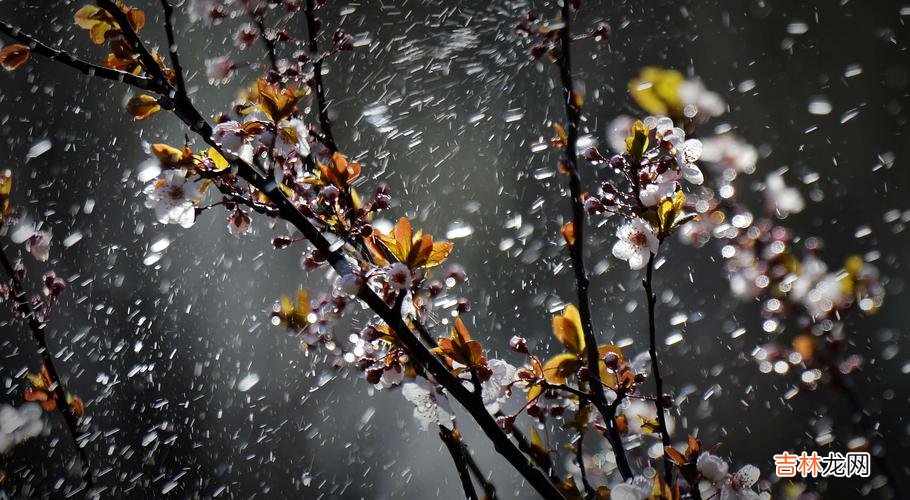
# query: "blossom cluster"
[763,259]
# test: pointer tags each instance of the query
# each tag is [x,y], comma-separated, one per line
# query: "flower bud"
[518,344]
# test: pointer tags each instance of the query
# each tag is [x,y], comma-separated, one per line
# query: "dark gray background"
[201,312]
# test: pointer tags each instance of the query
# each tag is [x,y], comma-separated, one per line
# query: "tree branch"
[576,248]
[172,45]
[580,460]
[185,110]
[312,30]
[74,62]
[37,329]
[268,42]
[540,457]
[655,367]
[488,488]
[452,440]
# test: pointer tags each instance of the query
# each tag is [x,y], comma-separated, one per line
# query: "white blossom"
[661,188]
[637,242]
[693,93]
[739,485]
[293,137]
[730,151]
[638,489]
[637,412]
[725,486]
[712,467]
[391,377]
[493,389]
[782,199]
[399,276]
[204,11]
[19,424]
[430,407]
[617,131]
[173,198]
[686,151]
[349,284]
[219,69]
[229,135]
[239,223]
[39,245]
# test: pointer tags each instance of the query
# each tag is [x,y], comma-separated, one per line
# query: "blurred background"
[443,103]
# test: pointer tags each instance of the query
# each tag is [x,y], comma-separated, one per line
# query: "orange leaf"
[805,346]
[277,103]
[404,235]
[13,56]
[675,456]
[339,172]
[460,331]
[76,405]
[560,140]
[461,348]
[439,253]
[568,232]
[142,106]
[413,250]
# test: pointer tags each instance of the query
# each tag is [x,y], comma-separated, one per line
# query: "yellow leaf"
[142,106]
[534,392]
[171,157]
[660,490]
[6,188]
[568,330]
[577,99]
[669,211]
[13,56]
[536,441]
[560,367]
[605,376]
[220,162]
[101,24]
[637,142]
[656,90]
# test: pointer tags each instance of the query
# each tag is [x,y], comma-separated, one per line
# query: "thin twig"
[37,329]
[184,109]
[576,248]
[655,367]
[453,444]
[580,460]
[268,42]
[312,30]
[488,488]
[540,457]
[172,45]
[74,62]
